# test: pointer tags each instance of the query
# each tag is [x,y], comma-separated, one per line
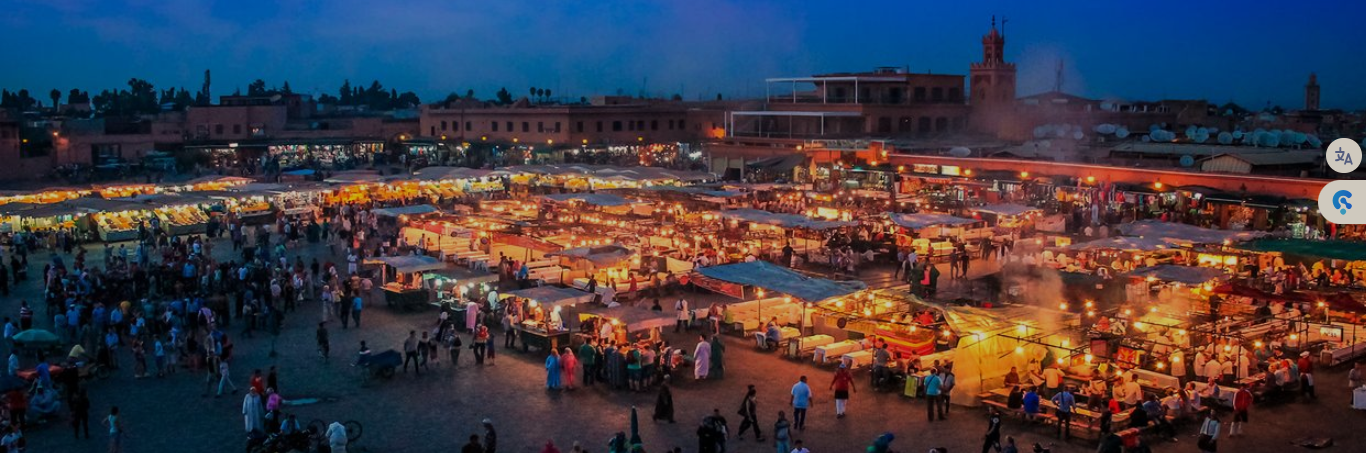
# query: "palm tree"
[533,93]
[56,96]
[547,93]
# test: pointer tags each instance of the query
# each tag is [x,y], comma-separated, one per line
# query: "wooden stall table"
[398,296]
[857,359]
[824,353]
[542,340]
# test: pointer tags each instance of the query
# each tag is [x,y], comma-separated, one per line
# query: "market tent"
[1181,233]
[412,263]
[637,319]
[920,221]
[1189,275]
[552,296]
[1336,301]
[600,256]
[406,210]
[44,211]
[779,279]
[1005,209]
[300,172]
[596,199]
[1129,244]
[782,220]
[351,178]
[1337,250]
[449,173]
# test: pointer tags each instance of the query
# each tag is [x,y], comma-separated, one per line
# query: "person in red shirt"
[1306,375]
[258,383]
[1242,401]
[842,385]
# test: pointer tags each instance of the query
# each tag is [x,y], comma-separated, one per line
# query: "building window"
[526,126]
[433,131]
[630,125]
[509,125]
[599,126]
[955,94]
[884,124]
[654,125]
[443,126]
[894,96]
[540,127]
[578,127]
[495,126]
[616,126]
[671,124]
[218,129]
[941,124]
[937,94]
[904,125]
[467,126]
[557,127]
[924,125]
[680,124]
[919,94]
[640,125]
[236,129]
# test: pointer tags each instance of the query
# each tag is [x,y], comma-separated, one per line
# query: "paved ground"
[437,411]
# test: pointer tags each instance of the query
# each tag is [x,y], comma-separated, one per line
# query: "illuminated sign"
[950,170]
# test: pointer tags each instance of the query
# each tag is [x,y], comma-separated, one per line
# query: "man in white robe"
[701,360]
[252,414]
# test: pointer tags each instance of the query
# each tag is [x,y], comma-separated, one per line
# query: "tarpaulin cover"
[406,210]
[412,263]
[601,256]
[596,199]
[1337,250]
[552,296]
[1131,244]
[637,318]
[782,220]
[1190,275]
[1183,233]
[1005,209]
[780,279]
[919,221]
[1337,301]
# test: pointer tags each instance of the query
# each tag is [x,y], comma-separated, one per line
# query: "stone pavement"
[439,410]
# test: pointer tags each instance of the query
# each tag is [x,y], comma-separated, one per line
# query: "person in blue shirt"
[356,305]
[1065,403]
[1031,403]
[773,336]
[933,391]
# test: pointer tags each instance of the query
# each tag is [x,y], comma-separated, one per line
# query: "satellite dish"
[1147,138]
[1154,127]
[1122,132]
[1106,128]
[1225,138]
[1041,132]
[1200,137]
[959,151]
[1078,135]
[1190,132]
[1315,142]
[1203,130]
[1238,135]
[1270,140]
[1187,161]
[276,98]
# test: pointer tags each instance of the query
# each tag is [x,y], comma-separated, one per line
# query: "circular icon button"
[1344,155]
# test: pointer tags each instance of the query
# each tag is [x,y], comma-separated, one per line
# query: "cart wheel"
[353,430]
[317,427]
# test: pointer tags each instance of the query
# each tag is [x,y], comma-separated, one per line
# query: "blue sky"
[1251,52]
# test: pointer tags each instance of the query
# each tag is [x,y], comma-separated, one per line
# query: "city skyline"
[713,46]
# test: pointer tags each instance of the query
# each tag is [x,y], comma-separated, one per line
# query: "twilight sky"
[1249,51]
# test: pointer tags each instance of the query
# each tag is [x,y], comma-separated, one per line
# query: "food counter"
[404,297]
[534,335]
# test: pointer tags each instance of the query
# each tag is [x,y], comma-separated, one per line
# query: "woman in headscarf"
[568,364]
[664,404]
[701,358]
[552,370]
[718,350]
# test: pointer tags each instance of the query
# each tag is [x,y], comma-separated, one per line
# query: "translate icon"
[1340,201]
[1343,155]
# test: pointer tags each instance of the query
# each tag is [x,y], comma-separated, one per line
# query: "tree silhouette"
[547,94]
[257,88]
[345,93]
[503,96]
[533,93]
[677,97]
[285,89]
[56,96]
[469,94]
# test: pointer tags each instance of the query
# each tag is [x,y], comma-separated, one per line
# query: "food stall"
[544,325]
[407,290]
[918,231]
[1008,215]
[625,321]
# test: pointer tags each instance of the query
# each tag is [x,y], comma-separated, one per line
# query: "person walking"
[324,343]
[933,389]
[80,414]
[749,415]
[490,437]
[410,353]
[801,401]
[115,425]
[664,404]
[992,440]
[782,434]
[1065,403]
[224,379]
[587,360]
[252,412]
[683,316]
[1242,402]
[842,385]
[453,345]
[1208,442]
[356,305]
[336,437]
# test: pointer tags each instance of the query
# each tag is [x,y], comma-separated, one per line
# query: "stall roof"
[601,256]
[780,279]
[448,173]
[90,204]
[406,210]
[1183,233]
[349,178]
[1005,209]
[412,263]
[1337,301]
[919,221]
[596,199]
[782,220]
[1190,275]
[637,319]
[1133,244]
[553,296]
[1338,250]
[44,211]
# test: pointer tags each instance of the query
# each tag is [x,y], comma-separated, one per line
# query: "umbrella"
[635,429]
[36,337]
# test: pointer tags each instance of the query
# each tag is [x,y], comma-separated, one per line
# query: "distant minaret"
[1311,93]
[992,81]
